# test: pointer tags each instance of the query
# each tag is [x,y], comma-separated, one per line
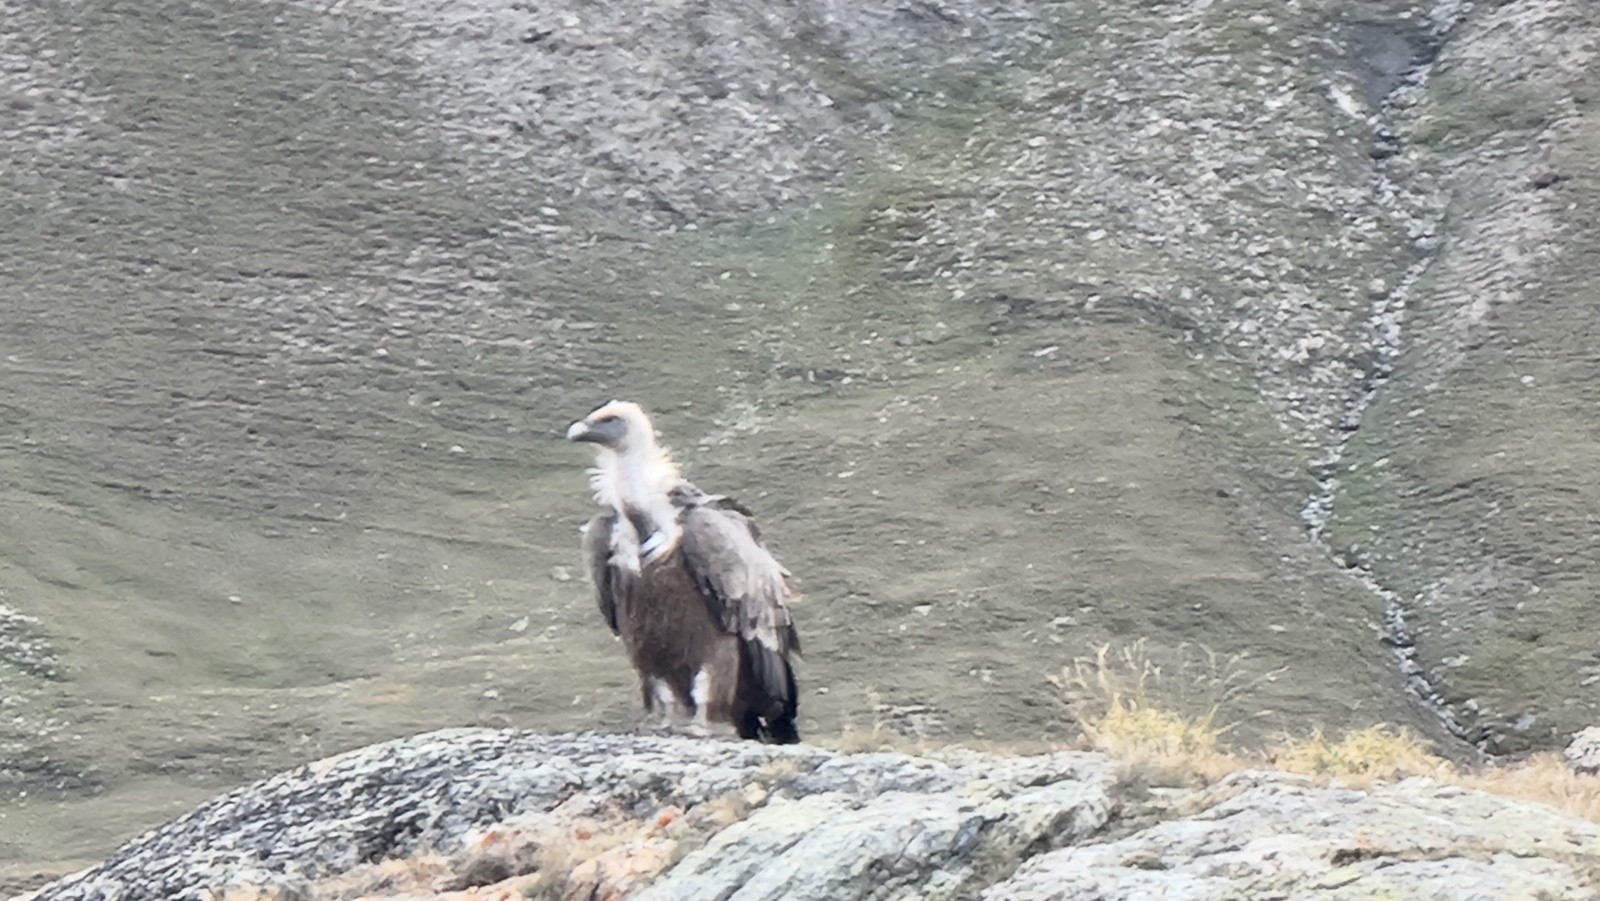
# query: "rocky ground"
[1254,330]
[495,814]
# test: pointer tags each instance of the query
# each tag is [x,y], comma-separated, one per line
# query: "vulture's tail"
[780,731]
[771,718]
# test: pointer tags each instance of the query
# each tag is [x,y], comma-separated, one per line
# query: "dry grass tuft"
[1125,700]
[1131,708]
[853,740]
[895,728]
[1128,708]
[1544,778]
[1362,757]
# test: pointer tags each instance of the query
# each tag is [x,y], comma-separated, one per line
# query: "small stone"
[560,574]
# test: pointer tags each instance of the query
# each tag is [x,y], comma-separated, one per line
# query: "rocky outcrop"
[1272,835]
[668,818]
[1583,752]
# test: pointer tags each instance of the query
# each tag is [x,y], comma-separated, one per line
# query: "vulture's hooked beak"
[608,431]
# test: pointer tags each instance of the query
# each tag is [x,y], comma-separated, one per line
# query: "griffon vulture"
[683,578]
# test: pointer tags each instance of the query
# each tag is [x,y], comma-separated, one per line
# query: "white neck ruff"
[635,482]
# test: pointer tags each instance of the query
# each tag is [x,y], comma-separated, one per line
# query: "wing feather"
[744,586]
[597,548]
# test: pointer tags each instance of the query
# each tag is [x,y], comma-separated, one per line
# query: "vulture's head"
[617,425]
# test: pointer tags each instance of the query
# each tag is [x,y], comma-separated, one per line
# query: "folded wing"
[745,587]
[597,550]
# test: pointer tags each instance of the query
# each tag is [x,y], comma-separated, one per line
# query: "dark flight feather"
[597,550]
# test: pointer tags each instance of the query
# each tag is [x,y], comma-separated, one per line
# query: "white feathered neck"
[637,480]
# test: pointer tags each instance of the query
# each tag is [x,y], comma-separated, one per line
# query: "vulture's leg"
[700,701]
[659,705]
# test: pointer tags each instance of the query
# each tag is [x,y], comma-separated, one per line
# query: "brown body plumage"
[683,578]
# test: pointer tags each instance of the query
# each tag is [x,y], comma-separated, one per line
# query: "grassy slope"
[1471,489]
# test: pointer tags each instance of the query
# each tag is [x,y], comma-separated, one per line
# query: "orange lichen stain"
[667,816]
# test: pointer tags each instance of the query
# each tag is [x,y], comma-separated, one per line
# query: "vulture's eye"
[604,420]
